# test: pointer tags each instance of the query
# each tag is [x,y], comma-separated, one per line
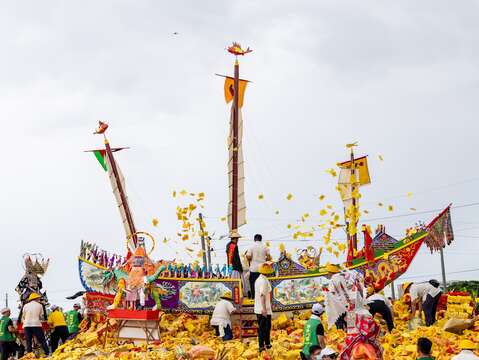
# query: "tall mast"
[124,201]
[107,161]
[234,205]
[234,91]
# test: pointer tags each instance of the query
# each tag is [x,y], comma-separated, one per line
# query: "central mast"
[234,199]
[234,89]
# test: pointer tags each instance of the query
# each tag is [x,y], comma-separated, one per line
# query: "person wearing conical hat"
[262,305]
[233,257]
[32,324]
[221,318]
[467,351]
[424,297]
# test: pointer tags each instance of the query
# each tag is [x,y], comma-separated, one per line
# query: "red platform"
[135,314]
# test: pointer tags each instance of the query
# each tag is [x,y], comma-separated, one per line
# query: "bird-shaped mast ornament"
[236,49]
[101,128]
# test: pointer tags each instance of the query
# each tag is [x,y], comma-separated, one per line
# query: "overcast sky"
[399,77]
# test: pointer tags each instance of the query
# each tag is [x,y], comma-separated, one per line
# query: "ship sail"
[241,217]
[122,201]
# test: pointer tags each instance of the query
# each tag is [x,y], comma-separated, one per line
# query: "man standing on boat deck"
[232,255]
[262,306]
[256,255]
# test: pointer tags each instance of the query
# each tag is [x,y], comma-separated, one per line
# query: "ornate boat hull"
[294,287]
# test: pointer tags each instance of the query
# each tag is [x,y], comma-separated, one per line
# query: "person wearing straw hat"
[424,297]
[8,344]
[56,320]
[262,305]
[467,351]
[233,258]
[221,318]
[32,324]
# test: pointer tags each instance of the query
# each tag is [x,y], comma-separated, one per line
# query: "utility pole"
[203,245]
[6,300]
[443,270]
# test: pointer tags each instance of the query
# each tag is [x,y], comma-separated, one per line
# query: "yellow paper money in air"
[323,212]
[289,196]
[332,172]
[155,222]
[260,197]
[390,208]
[322,197]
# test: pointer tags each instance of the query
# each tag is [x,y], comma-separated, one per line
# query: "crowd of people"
[61,327]
[424,298]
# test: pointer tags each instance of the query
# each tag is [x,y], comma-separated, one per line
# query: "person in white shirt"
[262,306]
[221,318]
[467,351]
[256,255]
[378,304]
[424,296]
[32,324]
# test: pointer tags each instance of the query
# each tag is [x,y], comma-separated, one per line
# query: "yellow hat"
[234,234]
[266,268]
[406,286]
[33,296]
[226,296]
[332,269]
[467,345]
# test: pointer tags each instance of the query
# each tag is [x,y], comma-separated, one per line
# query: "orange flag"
[229,90]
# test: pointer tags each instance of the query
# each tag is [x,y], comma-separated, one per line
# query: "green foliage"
[470,286]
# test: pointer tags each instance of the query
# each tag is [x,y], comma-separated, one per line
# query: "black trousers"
[430,307]
[30,332]
[59,333]
[264,331]
[252,279]
[9,348]
[341,322]
[380,307]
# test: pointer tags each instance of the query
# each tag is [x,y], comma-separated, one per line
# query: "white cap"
[317,309]
[326,352]
[4,310]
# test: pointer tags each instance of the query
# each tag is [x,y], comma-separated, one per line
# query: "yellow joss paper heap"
[188,337]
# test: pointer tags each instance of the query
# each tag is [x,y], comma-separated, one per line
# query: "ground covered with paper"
[190,337]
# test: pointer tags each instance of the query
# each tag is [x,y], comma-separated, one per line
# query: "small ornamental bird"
[351,145]
[236,49]
[101,128]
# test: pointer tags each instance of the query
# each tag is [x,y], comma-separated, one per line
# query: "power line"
[449,273]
